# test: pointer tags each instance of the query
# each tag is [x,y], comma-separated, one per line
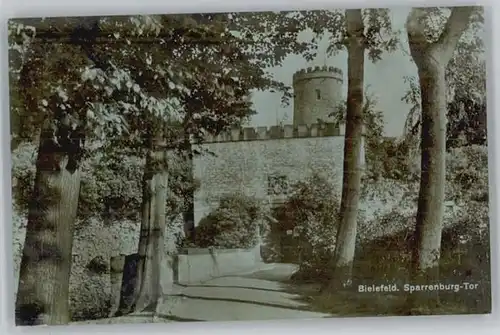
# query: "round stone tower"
[317,93]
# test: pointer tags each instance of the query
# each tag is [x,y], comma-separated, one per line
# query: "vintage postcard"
[249,165]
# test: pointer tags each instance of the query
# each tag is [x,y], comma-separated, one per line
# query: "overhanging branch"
[453,29]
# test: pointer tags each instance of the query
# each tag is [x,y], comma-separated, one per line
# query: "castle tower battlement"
[318,72]
[277,132]
[317,93]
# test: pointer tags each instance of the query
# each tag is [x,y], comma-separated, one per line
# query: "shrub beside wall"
[311,214]
[235,224]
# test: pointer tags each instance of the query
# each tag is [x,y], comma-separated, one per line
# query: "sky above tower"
[383,79]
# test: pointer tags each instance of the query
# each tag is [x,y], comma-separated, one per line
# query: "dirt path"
[258,295]
[253,296]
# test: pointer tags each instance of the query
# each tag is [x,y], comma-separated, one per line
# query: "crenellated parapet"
[318,72]
[277,132]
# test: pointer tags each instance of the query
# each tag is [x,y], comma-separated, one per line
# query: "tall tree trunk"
[346,236]
[431,60]
[151,244]
[43,290]
[427,236]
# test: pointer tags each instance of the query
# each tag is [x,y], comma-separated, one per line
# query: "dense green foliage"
[203,78]
[311,215]
[466,218]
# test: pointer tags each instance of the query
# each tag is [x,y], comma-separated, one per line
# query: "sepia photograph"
[231,166]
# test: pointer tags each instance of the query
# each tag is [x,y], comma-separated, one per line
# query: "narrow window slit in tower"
[318,94]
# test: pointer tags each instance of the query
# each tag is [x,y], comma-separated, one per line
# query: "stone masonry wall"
[248,167]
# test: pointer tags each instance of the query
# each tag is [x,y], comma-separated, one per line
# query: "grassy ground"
[355,304]
[386,260]
[379,265]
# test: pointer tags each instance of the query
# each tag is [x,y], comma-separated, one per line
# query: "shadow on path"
[260,295]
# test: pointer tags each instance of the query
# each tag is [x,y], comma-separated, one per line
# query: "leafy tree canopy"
[127,72]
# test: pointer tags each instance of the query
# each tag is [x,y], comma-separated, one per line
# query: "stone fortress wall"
[264,161]
[277,132]
[263,168]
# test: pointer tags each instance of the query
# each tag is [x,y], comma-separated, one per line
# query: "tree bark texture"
[431,60]
[148,284]
[43,291]
[346,236]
